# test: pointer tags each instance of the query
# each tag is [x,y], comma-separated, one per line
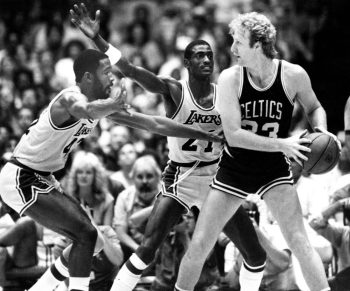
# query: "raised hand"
[120,97]
[81,19]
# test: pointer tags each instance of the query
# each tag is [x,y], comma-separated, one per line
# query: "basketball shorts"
[188,185]
[19,187]
[241,179]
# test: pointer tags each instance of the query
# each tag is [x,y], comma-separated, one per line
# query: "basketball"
[324,153]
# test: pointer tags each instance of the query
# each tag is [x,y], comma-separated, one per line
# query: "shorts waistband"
[14,161]
[191,164]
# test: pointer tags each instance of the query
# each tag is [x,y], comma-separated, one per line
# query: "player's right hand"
[81,19]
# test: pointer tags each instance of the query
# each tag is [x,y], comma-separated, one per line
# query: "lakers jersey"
[189,112]
[264,111]
[45,147]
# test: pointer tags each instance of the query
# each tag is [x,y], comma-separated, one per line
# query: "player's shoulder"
[72,96]
[231,75]
[293,71]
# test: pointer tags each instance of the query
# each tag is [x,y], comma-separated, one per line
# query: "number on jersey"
[270,127]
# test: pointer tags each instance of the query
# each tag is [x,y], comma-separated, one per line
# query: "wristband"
[113,54]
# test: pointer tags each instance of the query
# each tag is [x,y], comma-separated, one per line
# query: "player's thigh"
[217,209]
[284,204]
[60,213]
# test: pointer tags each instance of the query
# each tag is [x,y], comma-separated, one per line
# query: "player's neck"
[262,70]
[199,87]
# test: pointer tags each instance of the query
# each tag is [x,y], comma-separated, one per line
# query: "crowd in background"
[38,45]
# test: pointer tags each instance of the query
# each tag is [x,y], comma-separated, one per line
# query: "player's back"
[45,146]
[189,112]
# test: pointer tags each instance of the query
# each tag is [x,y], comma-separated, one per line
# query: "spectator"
[119,135]
[87,183]
[338,235]
[127,156]
[137,198]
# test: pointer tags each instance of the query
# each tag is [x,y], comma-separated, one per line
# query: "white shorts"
[192,190]
[19,187]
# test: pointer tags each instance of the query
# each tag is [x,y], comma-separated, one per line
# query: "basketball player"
[255,101]
[192,163]
[26,182]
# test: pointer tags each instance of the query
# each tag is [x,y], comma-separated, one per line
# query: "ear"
[88,77]
[186,63]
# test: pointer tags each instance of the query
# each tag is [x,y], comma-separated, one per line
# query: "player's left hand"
[81,19]
[120,98]
[216,137]
[321,129]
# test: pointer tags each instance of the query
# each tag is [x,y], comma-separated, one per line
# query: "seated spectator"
[119,135]
[87,182]
[337,234]
[139,199]
[127,156]
[25,253]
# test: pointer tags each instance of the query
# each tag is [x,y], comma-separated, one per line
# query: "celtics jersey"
[264,111]
[45,146]
[190,113]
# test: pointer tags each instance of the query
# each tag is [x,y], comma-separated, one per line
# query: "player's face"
[85,176]
[241,47]
[103,81]
[201,62]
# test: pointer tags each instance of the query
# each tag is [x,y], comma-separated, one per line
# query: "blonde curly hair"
[81,160]
[261,30]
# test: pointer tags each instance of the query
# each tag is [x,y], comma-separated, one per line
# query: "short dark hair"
[189,49]
[87,61]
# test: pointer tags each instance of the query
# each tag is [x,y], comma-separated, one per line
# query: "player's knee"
[99,243]
[87,234]
[27,225]
[255,258]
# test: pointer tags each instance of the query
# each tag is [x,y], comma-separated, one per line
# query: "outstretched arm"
[162,125]
[151,82]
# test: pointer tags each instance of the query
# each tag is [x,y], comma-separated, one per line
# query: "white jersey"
[45,147]
[184,150]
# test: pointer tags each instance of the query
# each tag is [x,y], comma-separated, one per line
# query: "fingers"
[98,16]
[84,9]
[305,141]
[77,10]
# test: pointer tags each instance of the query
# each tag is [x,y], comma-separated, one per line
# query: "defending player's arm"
[229,108]
[145,78]
[74,104]
[162,125]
